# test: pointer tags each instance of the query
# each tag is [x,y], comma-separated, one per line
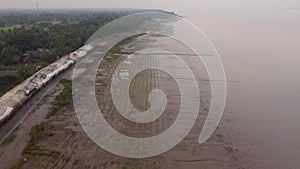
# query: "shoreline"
[78,151]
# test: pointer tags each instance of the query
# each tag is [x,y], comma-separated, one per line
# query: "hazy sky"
[185,7]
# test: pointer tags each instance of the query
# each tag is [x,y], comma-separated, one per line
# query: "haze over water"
[260,52]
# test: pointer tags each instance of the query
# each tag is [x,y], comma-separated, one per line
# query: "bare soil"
[68,146]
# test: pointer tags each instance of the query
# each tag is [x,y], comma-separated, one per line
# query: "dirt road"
[14,133]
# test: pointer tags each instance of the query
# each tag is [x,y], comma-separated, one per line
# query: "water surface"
[260,53]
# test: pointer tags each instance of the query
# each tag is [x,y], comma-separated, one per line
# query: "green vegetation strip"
[42,130]
[64,99]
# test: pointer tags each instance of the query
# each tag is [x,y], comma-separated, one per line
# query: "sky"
[184,7]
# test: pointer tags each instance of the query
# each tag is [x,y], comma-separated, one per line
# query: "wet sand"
[76,150]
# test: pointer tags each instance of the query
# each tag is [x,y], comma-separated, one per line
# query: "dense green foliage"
[8,82]
[30,40]
[58,32]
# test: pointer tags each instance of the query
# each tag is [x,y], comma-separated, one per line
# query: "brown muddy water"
[260,52]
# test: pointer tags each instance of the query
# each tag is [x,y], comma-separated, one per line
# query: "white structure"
[14,99]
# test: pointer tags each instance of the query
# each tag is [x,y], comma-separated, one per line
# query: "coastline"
[76,150]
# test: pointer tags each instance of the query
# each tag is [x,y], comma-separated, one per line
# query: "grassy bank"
[43,130]
[64,99]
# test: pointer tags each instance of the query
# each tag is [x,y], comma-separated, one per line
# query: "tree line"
[30,40]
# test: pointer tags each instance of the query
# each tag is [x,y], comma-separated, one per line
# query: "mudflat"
[64,144]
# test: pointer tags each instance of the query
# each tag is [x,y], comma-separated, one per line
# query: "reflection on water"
[263,112]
